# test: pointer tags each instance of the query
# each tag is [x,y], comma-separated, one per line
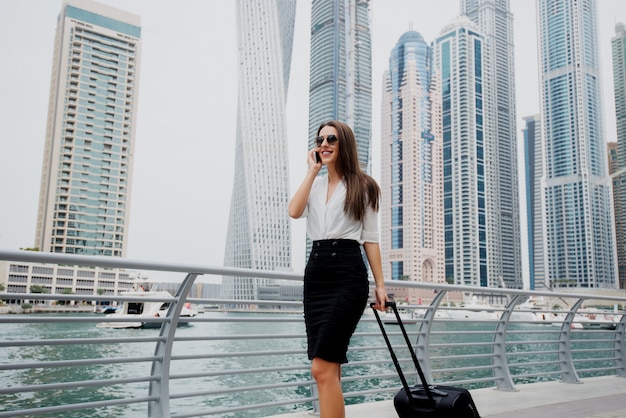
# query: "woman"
[341,210]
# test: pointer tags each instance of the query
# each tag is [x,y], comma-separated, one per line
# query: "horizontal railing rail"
[254,363]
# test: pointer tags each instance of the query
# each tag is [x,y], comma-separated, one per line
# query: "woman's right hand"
[312,160]
[298,202]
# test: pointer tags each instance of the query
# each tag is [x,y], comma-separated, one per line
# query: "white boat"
[406,316]
[106,309]
[137,311]
[473,309]
[536,309]
[596,319]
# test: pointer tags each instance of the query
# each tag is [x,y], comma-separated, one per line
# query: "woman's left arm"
[372,251]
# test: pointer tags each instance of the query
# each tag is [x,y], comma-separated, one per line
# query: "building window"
[397,270]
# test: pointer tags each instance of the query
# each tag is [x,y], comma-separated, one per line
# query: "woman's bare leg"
[327,375]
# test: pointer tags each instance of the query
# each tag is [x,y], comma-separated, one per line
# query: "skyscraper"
[495,21]
[341,69]
[458,61]
[411,180]
[579,238]
[84,200]
[614,169]
[259,234]
[340,80]
[534,166]
[618,46]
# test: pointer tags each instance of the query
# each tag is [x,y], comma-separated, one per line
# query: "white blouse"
[328,220]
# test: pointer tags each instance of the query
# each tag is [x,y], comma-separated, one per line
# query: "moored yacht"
[136,311]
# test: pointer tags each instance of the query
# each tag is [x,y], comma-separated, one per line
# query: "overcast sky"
[185,138]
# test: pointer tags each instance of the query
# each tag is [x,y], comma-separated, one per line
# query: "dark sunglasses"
[331,139]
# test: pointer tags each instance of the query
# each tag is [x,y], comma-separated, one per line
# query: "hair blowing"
[361,189]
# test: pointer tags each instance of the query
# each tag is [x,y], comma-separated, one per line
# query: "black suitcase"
[425,400]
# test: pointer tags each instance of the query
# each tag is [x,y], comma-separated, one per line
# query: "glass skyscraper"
[534,166]
[618,46]
[259,234]
[495,21]
[614,170]
[341,69]
[340,79]
[458,53]
[411,181]
[579,237]
[86,177]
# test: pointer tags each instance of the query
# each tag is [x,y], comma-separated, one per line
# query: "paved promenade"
[597,397]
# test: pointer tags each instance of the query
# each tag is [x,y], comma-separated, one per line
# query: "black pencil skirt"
[335,294]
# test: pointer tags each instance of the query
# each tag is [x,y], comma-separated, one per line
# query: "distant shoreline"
[17,309]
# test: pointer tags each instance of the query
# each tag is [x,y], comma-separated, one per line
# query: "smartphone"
[317,157]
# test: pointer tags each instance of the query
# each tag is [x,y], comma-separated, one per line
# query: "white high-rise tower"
[341,70]
[458,57]
[504,259]
[579,237]
[412,182]
[618,47]
[86,177]
[259,234]
[340,84]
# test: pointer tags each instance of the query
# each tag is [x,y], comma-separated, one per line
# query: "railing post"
[566,362]
[163,350]
[316,402]
[620,351]
[504,381]
[423,336]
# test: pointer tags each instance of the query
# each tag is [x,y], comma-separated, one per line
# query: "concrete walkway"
[596,397]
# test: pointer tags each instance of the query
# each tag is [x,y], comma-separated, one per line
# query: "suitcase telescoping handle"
[395,358]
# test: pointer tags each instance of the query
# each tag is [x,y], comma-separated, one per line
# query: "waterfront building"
[458,61]
[533,159]
[340,78]
[209,291]
[84,201]
[618,46]
[614,168]
[340,85]
[259,234]
[24,277]
[411,214]
[613,159]
[579,235]
[504,259]
[199,289]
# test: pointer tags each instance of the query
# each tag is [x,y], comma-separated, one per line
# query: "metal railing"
[252,364]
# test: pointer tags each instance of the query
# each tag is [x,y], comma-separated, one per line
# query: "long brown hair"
[361,189]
